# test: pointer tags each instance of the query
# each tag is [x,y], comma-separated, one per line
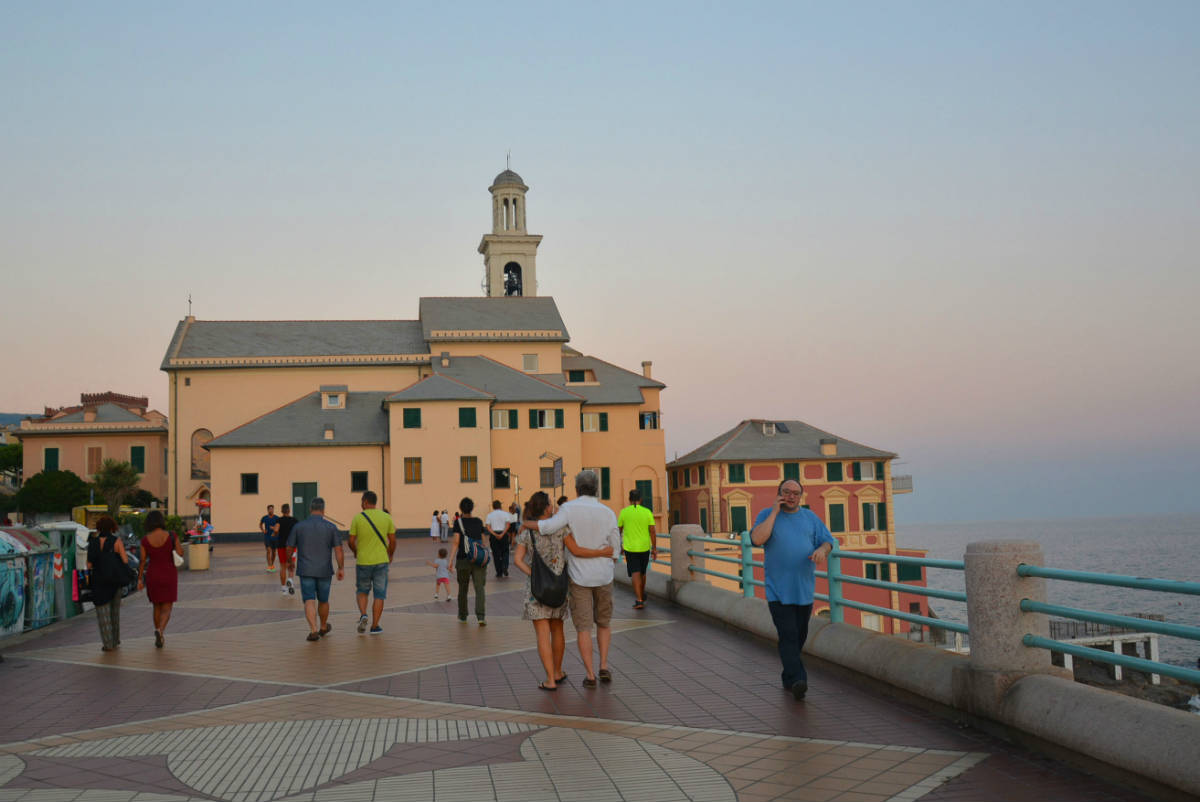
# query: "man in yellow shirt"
[638,543]
[373,541]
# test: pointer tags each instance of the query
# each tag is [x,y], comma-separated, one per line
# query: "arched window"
[200,456]
[512,279]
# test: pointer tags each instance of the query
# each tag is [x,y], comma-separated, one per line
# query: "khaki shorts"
[590,607]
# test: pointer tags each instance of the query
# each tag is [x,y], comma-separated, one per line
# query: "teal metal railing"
[1117,621]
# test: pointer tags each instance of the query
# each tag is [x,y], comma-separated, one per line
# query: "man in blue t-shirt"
[267,525]
[794,540]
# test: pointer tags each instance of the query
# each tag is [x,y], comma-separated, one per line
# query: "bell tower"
[509,252]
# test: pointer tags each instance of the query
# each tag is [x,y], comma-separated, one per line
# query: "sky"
[967,233]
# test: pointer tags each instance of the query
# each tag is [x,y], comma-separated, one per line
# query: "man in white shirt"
[496,524]
[593,526]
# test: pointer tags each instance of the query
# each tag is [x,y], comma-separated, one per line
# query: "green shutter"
[605,487]
[879,471]
[908,573]
[704,520]
[512,419]
[833,471]
[646,488]
[868,513]
[558,419]
[674,480]
[737,473]
[604,421]
[837,518]
[737,519]
[885,569]
[412,417]
[871,571]
[882,516]
[856,468]
[791,470]
[533,419]
[581,421]
[466,417]
[137,458]
[50,462]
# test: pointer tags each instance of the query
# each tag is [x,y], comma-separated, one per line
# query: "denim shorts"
[371,579]
[315,587]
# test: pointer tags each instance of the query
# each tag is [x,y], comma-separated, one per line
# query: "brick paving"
[238,706]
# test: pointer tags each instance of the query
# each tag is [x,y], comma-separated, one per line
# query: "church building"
[478,397]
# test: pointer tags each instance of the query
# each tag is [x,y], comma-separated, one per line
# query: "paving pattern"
[240,707]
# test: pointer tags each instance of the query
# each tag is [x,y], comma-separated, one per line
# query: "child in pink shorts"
[441,570]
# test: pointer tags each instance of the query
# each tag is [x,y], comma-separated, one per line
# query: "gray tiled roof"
[746,441]
[439,388]
[616,385]
[287,338]
[503,382]
[491,314]
[105,413]
[363,421]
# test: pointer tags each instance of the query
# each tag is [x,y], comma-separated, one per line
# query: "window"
[358,481]
[545,477]
[50,459]
[675,480]
[837,517]
[501,478]
[791,470]
[594,421]
[95,456]
[335,400]
[576,376]
[646,488]
[546,419]
[878,571]
[187,381]
[908,573]
[468,469]
[466,417]
[874,516]
[504,419]
[704,520]
[412,417]
[702,475]
[605,481]
[863,471]
[737,472]
[687,477]
[249,484]
[675,517]
[737,519]
[647,420]
[833,471]
[200,455]
[166,462]
[412,470]
[137,458]
[529,363]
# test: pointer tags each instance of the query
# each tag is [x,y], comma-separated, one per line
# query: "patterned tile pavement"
[239,706]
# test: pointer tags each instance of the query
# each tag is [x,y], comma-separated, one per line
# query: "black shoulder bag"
[382,539]
[547,587]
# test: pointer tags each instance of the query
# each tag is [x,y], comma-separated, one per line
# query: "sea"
[1161,547]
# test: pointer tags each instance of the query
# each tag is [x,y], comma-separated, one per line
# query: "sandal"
[605,675]
[544,687]
[588,682]
[158,639]
[560,679]
[313,636]
[325,630]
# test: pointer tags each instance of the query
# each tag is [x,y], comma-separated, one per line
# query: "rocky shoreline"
[1169,692]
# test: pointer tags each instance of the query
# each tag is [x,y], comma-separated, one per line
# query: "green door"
[646,488]
[737,519]
[302,495]
[704,519]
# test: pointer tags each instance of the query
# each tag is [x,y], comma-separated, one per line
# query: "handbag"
[546,586]
[81,585]
[477,553]
[114,570]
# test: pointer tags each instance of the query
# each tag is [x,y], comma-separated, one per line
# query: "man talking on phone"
[794,541]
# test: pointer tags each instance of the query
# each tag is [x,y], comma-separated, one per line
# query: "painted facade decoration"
[477,396]
[725,483]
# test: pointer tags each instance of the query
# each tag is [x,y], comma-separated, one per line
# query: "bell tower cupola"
[509,252]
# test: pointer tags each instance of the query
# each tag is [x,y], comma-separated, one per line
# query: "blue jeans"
[791,622]
[371,579]
[315,587]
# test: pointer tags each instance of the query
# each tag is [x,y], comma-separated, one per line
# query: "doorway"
[302,495]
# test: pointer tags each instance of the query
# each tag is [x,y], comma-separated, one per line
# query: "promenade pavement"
[239,706]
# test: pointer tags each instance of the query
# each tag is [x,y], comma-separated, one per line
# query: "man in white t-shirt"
[496,525]
[593,526]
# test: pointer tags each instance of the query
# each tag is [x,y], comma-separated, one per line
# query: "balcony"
[902,484]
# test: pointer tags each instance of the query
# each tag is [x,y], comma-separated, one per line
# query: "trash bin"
[12,590]
[197,556]
[39,573]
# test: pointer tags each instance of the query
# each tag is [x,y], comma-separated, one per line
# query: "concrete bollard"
[680,575]
[997,624]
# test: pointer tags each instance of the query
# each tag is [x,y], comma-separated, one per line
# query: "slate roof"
[616,385]
[363,421]
[746,441]
[105,413]
[439,388]
[289,338]
[491,314]
[504,383]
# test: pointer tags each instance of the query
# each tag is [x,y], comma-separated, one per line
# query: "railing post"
[747,568]
[837,613]
[680,560]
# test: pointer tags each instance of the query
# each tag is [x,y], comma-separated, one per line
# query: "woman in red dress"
[157,572]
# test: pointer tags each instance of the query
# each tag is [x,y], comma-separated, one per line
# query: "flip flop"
[589,683]
[560,679]
[313,636]
[544,687]
[605,675]
[325,630]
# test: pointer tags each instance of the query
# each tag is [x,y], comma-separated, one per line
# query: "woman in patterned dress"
[106,595]
[547,621]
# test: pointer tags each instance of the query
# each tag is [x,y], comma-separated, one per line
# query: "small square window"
[335,400]
[249,484]
[576,376]
[833,471]
[466,417]
[412,470]
[647,420]
[412,417]
[590,422]
[468,469]
[500,418]
[529,363]
[501,478]
[187,381]
[358,481]
[737,472]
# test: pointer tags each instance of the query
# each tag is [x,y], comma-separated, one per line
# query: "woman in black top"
[468,526]
[103,548]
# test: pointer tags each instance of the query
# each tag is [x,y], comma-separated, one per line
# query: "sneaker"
[271,569]
[462,620]
[376,630]
[362,624]
[447,598]
[291,586]
[482,623]
[799,690]
[285,590]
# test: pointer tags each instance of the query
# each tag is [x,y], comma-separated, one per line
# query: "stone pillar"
[679,557]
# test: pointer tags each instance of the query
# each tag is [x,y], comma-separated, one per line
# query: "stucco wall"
[72,454]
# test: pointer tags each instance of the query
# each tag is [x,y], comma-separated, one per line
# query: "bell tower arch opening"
[512,279]
[509,251]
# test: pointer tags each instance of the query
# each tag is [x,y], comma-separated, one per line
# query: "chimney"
[445,359]
[89,414]
[329,431]
[829,446]
[646,368]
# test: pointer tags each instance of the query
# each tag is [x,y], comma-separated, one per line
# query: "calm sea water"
[1166,547]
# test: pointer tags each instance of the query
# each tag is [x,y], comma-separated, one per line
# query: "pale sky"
[964,232]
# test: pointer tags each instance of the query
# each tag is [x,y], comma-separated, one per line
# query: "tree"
[52,491]
[11,460]
[115,481]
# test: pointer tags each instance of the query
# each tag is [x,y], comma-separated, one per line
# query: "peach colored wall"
[549,354]
[439,443]
[277,469]
[519,449]
[72,454]
[220,399]
[630,453]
